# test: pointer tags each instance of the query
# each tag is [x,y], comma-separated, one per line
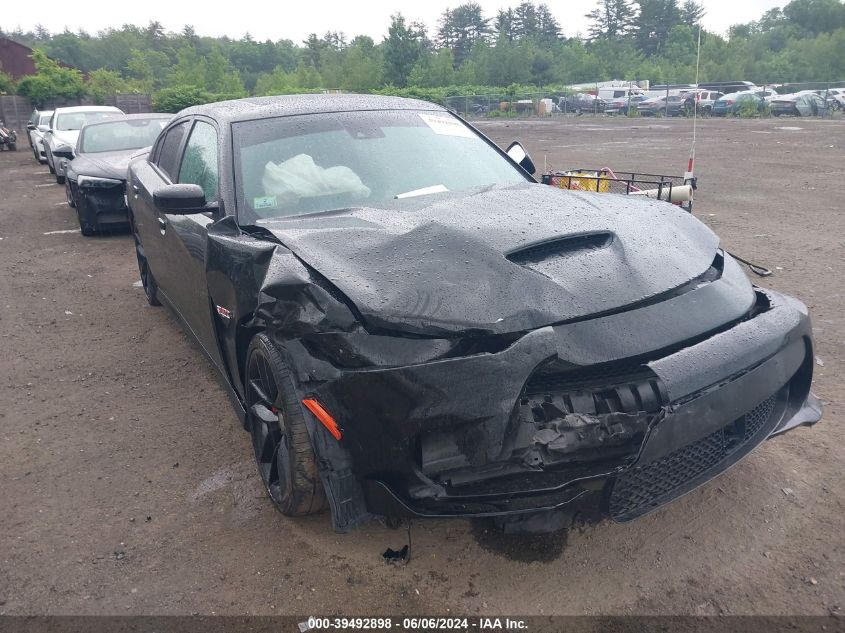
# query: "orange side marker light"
[324,417]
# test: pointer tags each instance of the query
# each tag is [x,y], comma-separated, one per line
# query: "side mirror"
[64,151]
[30,126]
[518,155]
[180,199]
[42,128]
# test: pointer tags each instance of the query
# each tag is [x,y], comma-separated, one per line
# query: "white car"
[835,97]
[63,130]
[38,124]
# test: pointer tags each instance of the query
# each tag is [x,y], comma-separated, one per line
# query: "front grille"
[627,387]
[644,488]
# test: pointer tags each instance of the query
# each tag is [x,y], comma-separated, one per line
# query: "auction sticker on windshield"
[446,125]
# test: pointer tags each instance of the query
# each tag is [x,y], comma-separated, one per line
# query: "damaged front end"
[519,433]
[622,412]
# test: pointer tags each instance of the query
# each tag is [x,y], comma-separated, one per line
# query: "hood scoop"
[472,264]
[566,246]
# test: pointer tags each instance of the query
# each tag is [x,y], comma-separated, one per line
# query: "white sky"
[294,20]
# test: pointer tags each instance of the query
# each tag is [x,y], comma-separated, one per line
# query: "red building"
[15,60]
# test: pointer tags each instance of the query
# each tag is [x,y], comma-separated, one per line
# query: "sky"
[294,20]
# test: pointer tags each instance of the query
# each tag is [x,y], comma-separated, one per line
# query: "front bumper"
[102,207]
[433,439]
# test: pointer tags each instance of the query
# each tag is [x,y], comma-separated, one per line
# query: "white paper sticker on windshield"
[446,125]
[264,202]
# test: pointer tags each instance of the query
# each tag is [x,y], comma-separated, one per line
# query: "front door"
[186,238]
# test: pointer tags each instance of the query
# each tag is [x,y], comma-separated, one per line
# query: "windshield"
[75,120]
[305,164]
[120,135]
[44,119]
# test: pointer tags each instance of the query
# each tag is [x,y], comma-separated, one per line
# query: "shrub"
[748,109]
[7,84]
[179,98]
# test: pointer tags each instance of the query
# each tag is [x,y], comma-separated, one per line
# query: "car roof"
[290,105]
[133,117]
[88,109]
[740,93]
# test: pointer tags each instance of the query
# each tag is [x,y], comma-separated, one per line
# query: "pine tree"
[653,24]
[401,51]
[548,28]
[525,20]
[612,19]
[503,24]
[461,28]
[691,12]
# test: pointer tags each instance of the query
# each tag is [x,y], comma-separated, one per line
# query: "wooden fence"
[15,111]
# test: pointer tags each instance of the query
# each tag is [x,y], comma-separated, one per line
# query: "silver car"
[63,131]
[38,124]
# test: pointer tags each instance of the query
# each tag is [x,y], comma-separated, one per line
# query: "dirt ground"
[128,486]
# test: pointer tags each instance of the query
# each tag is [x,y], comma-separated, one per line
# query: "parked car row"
[684,99]
[88,149]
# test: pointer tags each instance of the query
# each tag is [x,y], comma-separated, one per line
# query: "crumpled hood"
[104,164]
[472,263]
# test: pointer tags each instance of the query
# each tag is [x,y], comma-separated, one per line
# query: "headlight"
[93,182]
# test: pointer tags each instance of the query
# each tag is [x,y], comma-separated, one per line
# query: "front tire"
[60,180]
[276,420]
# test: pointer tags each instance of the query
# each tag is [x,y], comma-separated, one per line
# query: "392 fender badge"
[224,312]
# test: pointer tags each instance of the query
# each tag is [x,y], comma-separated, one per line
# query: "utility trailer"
[675,189]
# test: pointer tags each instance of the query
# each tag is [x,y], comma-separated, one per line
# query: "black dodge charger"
[410,326]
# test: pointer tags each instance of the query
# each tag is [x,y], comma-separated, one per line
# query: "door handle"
[162,225]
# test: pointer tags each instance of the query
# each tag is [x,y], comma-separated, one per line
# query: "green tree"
[103,84]
[611,19]
[278,82]
[816,16]
[548,28]
[503,25]
[147,69]
[7,83]
[652,26]
[434,70]
[51,80]
[361,66]
[691,12]
[402,49]
[462,28]
[525,20]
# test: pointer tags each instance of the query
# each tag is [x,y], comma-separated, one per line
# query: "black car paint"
[454,364]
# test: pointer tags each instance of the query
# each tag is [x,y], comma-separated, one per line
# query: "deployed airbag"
[300,177]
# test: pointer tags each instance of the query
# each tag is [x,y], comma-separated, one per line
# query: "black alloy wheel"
[283,452]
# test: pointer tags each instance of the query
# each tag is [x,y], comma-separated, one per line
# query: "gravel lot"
[129,488]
